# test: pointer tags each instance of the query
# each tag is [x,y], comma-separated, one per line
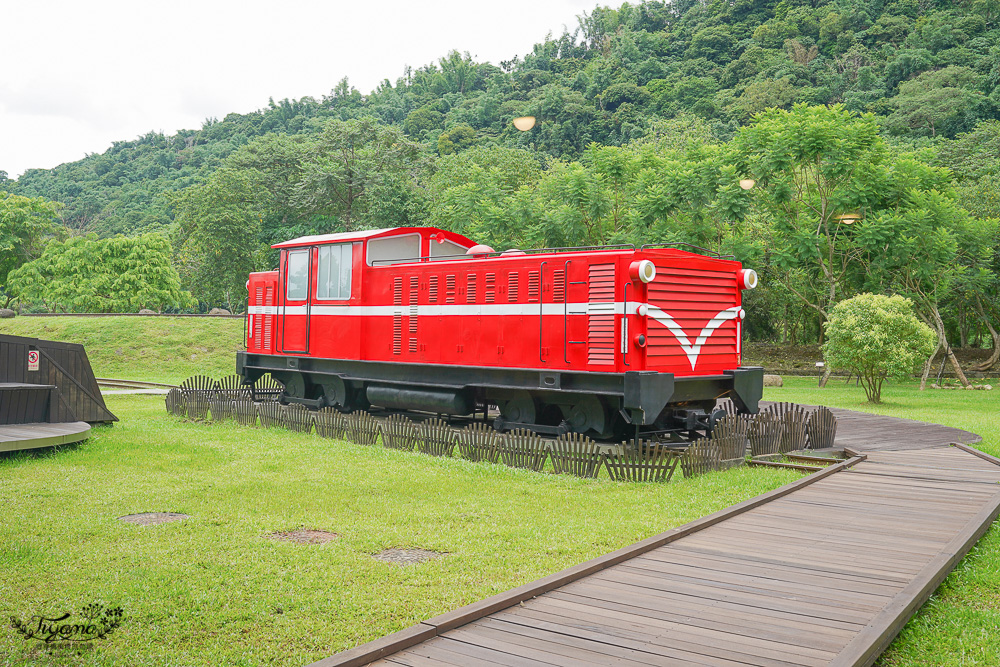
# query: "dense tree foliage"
[927,68]
[85,274]
[26,223]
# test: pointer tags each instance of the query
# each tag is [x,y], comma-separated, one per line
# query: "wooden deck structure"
[48,394]
[15,437]
[823,571]
[62,367]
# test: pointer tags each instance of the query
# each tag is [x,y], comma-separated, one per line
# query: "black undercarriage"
[602,405]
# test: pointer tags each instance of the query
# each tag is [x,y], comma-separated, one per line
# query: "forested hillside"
[870,129]
[927,68]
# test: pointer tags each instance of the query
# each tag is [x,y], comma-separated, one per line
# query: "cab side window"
[297,276]
[334,280]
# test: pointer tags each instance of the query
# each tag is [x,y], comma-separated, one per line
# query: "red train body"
[590,340]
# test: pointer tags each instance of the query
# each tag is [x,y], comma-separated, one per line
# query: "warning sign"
[32,360]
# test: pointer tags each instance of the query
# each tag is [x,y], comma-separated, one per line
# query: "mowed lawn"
[215,590]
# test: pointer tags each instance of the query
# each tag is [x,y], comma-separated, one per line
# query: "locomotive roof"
[362,235]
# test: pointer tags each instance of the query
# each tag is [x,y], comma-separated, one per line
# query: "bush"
[876,337]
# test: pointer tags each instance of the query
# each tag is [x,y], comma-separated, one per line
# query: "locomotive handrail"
[718,254]
[541,307]
[626,348]
[566,310]
[499,253]
[537,251]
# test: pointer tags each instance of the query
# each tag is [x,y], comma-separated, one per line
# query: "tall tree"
[218,242]
[813,164]
[917,251]
[26,223]
[352,164]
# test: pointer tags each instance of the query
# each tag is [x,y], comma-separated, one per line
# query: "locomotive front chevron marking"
[692,351]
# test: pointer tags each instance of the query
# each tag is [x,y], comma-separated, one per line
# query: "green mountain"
[926,68]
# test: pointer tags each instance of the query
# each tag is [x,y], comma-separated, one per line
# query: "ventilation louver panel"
[601,315]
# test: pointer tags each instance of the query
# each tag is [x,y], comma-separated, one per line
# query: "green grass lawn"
[213,590]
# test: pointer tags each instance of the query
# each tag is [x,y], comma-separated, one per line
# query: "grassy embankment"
[214,590]
[154,349]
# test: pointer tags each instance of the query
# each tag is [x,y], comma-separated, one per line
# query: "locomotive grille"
[491,287]
[534,286]
[449,289]
[414,297]
[258,320]
[432,289]
[601,318]
[397,332]
[397,316]
[470,291]
[692,297]
[512,281]
[268,319]
[559,286]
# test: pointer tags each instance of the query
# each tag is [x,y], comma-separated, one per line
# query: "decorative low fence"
[779,429]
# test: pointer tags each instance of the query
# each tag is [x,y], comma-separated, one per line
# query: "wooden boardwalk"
[824,571]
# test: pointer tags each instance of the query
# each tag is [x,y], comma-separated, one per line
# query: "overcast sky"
[77,75]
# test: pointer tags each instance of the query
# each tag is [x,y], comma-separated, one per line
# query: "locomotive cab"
[591,340]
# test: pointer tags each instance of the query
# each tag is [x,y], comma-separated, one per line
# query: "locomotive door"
[293,316]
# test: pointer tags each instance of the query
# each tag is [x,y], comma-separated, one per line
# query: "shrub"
[876,337]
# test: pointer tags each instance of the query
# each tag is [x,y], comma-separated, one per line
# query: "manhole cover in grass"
[153,518]
[406,556]
[304,536]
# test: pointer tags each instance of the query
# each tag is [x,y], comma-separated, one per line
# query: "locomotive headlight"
[642,310]
[747,278]
[643,270]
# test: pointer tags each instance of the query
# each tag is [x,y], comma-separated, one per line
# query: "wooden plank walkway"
[14,437]
[824,571]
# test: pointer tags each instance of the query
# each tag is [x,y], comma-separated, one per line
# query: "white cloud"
[88,74]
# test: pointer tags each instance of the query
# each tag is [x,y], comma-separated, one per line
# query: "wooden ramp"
[824,571]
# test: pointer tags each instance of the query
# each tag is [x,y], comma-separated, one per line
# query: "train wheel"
[588,414]
[520,409]
[335,391]
[295,386]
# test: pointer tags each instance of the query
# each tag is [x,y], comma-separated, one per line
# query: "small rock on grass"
[773,381]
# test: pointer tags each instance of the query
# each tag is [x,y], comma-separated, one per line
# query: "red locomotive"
[605,341]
